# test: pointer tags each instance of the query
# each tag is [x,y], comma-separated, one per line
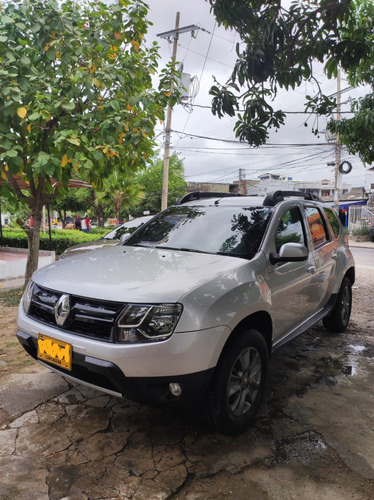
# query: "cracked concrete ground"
[313,438]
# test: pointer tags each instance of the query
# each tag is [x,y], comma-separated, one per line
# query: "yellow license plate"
[54,351]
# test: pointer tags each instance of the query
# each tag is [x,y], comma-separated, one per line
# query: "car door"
[324,250]
[293,294]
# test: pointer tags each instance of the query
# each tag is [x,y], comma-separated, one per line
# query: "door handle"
[312,269]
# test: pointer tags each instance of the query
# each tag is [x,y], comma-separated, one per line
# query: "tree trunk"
[33,236]
[62,215]
[100,215]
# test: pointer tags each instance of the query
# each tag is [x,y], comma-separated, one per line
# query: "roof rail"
[197,195]
[275,197]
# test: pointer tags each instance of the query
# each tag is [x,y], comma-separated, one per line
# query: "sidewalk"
[361,244]
[11,283]
[13,265]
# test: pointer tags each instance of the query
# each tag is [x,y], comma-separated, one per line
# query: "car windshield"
[224,230]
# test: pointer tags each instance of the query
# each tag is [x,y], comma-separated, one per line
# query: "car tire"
[239,383]
[337,321]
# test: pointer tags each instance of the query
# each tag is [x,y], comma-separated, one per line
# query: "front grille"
[87,317]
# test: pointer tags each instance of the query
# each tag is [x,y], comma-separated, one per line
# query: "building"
[272,182]
[210,187]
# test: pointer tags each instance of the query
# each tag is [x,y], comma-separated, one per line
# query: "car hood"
[134,274]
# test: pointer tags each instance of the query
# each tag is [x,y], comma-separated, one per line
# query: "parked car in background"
[191,307]
[111,238]
[371,233]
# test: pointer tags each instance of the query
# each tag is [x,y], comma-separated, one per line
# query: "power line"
[231,141]
[286,112]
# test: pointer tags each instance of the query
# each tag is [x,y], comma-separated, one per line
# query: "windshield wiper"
[183,249]
[233,254]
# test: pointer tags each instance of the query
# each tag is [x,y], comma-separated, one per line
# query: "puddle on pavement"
[334,367]
[303,449]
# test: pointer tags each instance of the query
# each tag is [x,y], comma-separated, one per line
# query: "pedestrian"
[78,223]
[88,225]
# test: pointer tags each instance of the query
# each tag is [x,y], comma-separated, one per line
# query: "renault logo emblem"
[62,309]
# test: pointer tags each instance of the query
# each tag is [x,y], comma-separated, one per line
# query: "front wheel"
[337,321]
[239,383]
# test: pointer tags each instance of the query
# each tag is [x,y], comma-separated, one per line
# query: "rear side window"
[316,226]
[333,219]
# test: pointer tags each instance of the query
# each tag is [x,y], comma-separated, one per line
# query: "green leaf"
[35,27]
[34,116]
[68,105]
[12,153]
[6,19]
[10,56]
[25,60]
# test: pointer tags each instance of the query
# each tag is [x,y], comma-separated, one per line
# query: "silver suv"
[190,308]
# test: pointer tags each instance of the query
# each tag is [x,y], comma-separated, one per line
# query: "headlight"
[148,323]
[27,296]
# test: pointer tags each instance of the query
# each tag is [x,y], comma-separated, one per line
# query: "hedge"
[61,239]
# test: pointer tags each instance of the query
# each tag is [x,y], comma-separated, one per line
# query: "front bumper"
[108,377]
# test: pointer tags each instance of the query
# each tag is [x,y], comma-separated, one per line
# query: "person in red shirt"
[88,227]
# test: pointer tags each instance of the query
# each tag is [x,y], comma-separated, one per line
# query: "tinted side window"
[290,229]
[316,226]
[333,219]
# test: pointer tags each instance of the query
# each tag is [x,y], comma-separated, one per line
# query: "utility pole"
[242,183]
[338,147]
[173,34]
[165,181]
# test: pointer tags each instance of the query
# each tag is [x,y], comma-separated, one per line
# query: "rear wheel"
[239,383]
[337,321]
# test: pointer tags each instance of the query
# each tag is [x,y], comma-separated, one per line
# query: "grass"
[11,297]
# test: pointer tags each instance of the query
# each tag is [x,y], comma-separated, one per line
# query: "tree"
[279,48]
[76,200]
[120,192]
[151,181]
[76,97]
[357,132]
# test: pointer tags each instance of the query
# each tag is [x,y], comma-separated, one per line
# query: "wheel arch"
[260,321]
[351,275]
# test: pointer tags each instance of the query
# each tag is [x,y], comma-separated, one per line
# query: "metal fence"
[360,216]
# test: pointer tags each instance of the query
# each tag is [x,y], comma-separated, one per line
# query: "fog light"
[175,389]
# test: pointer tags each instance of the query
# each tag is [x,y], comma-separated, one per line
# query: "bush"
[361,231]
[101,231]
[61,239]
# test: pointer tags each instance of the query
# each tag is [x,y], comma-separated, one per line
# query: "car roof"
[229,199]
[250,201]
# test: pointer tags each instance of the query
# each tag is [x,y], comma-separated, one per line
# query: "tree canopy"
[120,192]
[278,50]
[76,97]
[151,181]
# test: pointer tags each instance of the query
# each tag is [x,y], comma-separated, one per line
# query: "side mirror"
[124,238]
[290,252]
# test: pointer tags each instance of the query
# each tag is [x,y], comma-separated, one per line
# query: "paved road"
[363,256]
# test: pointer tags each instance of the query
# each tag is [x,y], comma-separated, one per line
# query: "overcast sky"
[293,151]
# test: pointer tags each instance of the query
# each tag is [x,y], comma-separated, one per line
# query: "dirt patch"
[13,358]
